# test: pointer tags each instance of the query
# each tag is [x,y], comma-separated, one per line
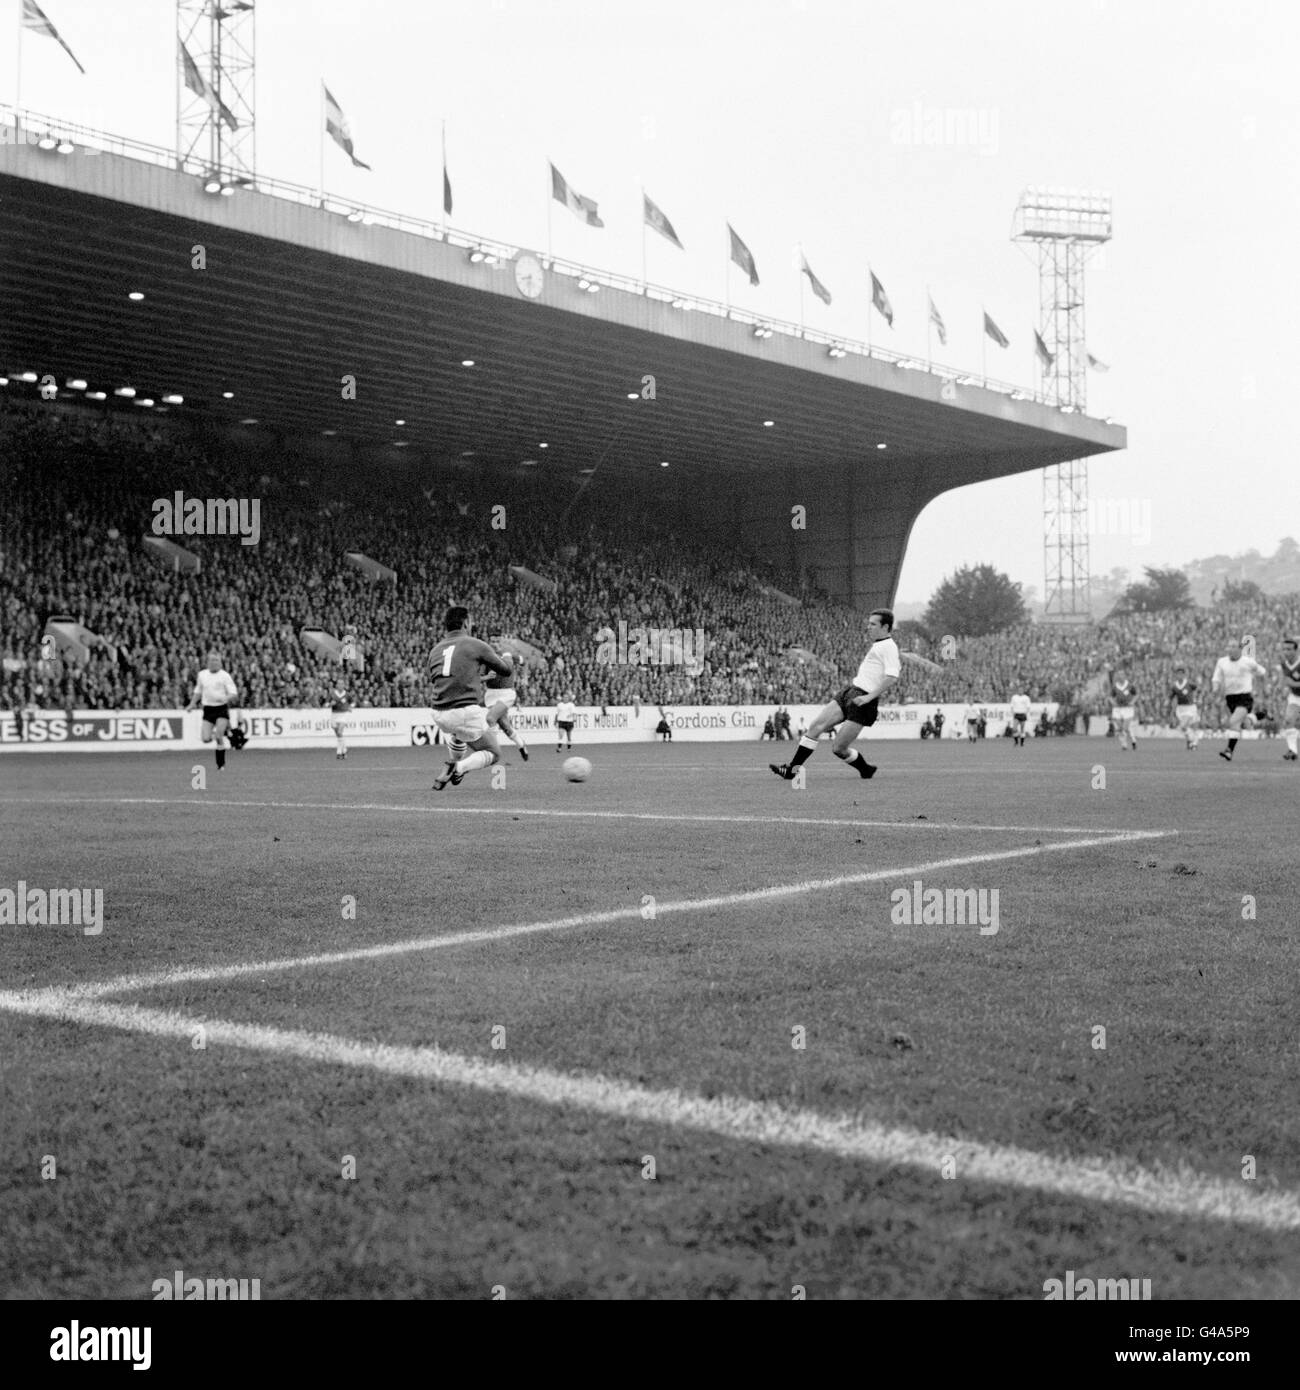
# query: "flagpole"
[443,189]
[550,198]
[645,288]
[18,84]
[984,350]
[726,275]
[871,304]
[800,273]
[321,134]
[929,327]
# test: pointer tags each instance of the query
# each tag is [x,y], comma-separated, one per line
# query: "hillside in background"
[1278,573]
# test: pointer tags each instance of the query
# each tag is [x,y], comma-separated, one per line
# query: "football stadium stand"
[78,492]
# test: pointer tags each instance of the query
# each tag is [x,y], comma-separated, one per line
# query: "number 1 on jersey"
[446,660]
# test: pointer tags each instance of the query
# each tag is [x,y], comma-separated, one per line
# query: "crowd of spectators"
[77,495]
[1071,665]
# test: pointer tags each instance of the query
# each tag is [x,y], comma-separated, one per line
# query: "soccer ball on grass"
[577,769]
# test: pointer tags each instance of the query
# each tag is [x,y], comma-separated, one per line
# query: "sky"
[816,123]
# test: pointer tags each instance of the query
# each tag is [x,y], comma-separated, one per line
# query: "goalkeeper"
[855,707]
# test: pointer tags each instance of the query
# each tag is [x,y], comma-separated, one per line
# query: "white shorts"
[465,723]
[500,697]
[1122,712]
[1293,702]
[1187,715]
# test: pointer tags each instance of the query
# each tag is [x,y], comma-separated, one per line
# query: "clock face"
[529,276]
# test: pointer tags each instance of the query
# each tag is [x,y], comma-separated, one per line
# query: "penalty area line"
[126,984]
[1181,1193]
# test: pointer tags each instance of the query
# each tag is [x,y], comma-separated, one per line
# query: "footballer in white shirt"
[1234,679]
[1020,707]
[565,714]
[855,707]
[215,690]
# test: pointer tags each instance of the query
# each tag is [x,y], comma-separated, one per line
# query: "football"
[577,769]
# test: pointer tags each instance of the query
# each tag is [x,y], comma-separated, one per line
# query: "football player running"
[1234,678]
[499,694]
[215,690]
[1182,695]
[1291,679]
[1122,693]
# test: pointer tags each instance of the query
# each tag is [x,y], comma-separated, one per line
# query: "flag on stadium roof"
[880,300]
[818,288]
[584,208]
[655,218]
[994,332]
[446,178]
[227,8]
[1095,365]
[34,19]
[937,319]
[336,125]
[741,255]
[201,87]
[1040,347]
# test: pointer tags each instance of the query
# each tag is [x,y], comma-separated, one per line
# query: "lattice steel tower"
[215,127]
[1066,226]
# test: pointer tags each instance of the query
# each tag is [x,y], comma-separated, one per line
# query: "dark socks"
[807,747]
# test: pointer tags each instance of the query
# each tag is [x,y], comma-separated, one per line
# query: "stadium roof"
[294,297]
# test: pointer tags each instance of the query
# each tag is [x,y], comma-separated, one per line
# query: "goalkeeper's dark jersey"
[1183,692]
[456,668]
[1291,675]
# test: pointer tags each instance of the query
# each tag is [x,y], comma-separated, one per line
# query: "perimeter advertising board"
[158,730]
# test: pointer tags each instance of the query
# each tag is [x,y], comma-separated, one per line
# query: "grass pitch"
[671,1084]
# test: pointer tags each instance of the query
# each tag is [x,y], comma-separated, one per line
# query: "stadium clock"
[529,276]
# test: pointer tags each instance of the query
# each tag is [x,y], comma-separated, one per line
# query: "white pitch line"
[454,810]
[195,974]
[1005,775]
[410,769]
[1184,1193]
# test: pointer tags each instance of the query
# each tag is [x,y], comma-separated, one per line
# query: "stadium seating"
[77,492]
[78,502]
